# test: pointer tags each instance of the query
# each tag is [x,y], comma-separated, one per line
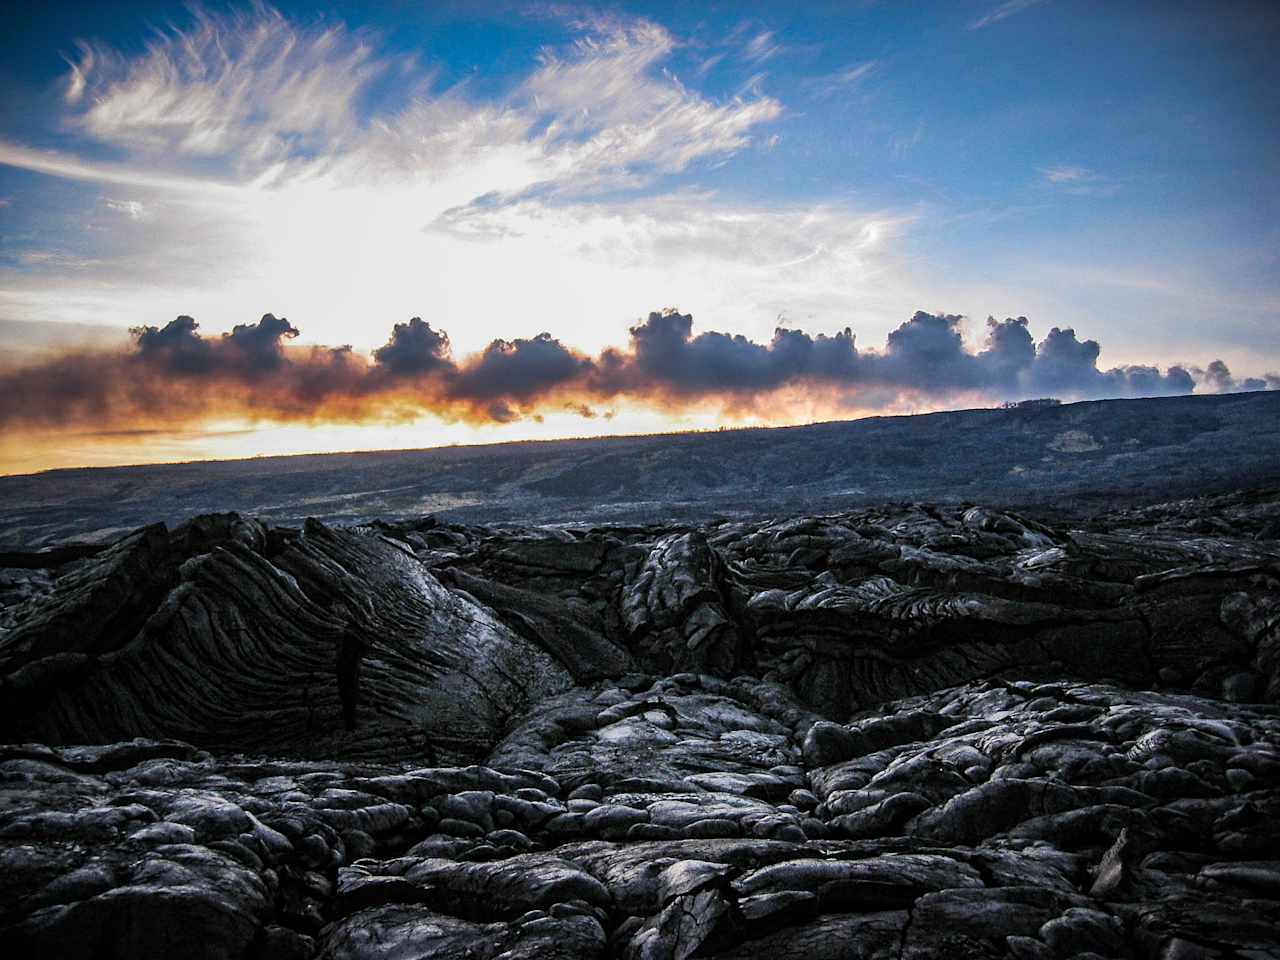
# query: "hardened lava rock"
[908,732]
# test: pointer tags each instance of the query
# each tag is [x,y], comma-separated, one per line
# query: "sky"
[377,225]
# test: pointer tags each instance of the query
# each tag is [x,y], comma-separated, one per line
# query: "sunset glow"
[832,205]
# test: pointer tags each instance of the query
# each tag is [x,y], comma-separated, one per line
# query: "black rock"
[911,731]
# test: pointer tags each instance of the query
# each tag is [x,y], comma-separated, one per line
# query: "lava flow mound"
[910,731]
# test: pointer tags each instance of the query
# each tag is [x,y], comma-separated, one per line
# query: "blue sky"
[505,169]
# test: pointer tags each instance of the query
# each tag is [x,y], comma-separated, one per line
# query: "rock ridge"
[914,730]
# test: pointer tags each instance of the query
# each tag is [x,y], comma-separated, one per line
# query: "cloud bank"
[1217,378]
[176,376]
[253,153]
[257,97]
[244,158]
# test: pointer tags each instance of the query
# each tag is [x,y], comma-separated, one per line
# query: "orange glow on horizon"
[30,451]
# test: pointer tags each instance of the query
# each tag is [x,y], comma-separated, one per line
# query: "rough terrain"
[1068,460]
[913,730]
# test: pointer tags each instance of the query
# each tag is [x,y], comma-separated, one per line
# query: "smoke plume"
[1217,378]
[174,375]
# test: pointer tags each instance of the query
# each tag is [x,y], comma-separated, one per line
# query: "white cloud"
[708,64]
[842,81]
[262,98]
[761,47]
[1065,174]
[1003,12]
[56,259]
[492,218]
[734,266]
[1080,181]
[489,216]
[133,209]
[250,86]
[754,43]
[345,263]
[901,145]
[57,164]
[610,115]
[76,81]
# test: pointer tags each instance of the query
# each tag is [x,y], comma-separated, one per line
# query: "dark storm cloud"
[414,349]
[1010,349]
[248,350]
[925,356]
[174,374]
[1064,364]
[259,345]
[79,387]
[177,345]
[927,352]
[524,370]
[664,356]
[498,384]
[1217,378]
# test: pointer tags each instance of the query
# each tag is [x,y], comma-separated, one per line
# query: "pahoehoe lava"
[912,730]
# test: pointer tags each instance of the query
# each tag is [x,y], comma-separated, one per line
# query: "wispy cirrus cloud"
[761,47]
[1003,12]
[609,113]
[271,155]
[133,209]
[842,81]
[708,63]
[255,160]
[56,259]
[1066,174]
[754,42]
[57,163]
[251,86]
[254,95]
[1079,180]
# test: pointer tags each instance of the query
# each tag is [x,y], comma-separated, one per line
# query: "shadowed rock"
[913,731]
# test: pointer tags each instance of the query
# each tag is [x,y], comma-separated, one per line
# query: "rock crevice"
[909,732]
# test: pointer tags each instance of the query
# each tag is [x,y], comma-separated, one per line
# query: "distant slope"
[1059,459]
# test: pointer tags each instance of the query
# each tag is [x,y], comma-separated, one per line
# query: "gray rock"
[971,772]
[177,900]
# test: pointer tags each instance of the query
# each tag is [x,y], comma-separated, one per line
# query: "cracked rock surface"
[910,731]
